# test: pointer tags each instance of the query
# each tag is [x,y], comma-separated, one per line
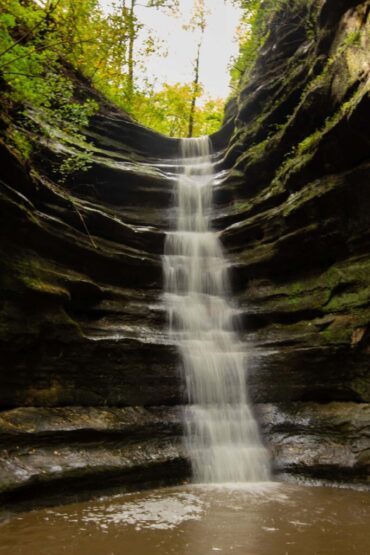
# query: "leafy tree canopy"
[38,37]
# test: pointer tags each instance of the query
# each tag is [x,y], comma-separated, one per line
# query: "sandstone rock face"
[71,450]
[89,379]
[82,325]
[82,321]
[310,441]
[295,220]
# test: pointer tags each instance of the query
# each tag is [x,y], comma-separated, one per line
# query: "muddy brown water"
[263,519]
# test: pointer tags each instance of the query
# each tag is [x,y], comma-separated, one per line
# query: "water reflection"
[261,519]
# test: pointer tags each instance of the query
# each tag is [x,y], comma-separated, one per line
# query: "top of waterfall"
[196,147]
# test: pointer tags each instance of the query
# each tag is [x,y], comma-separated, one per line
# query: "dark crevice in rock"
[112,479]
[254,321]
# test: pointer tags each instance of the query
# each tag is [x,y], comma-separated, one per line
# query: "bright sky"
[219,44]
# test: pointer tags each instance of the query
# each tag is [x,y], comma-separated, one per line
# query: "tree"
[134,26]
[132,33]
[37,39]
[32,74]
[197,23]
[168,110]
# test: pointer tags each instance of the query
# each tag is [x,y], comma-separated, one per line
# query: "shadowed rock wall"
[82,322]
[295,220]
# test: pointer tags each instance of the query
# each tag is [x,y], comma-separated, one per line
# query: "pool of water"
[260,519]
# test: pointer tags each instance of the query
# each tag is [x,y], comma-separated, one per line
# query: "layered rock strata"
[83,338]
[89,382]
[295,220]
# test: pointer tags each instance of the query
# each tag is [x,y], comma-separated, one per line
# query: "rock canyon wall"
[295,220]
[90,391]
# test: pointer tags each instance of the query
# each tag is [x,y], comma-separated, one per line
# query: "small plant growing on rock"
[75,163]
[20,141]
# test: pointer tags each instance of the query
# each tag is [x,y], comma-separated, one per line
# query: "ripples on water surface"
[271,519]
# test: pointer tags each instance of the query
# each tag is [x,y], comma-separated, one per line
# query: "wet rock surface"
[82,324]
[82,319]
[311,441]
[294,218]
[65,451]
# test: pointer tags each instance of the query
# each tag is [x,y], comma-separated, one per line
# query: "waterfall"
[222,436]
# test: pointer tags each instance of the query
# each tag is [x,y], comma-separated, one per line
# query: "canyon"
[91,394]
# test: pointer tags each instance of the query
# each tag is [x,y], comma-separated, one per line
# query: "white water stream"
[222,436]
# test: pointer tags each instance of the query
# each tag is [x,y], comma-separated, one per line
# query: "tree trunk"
[132,36]
[195,90]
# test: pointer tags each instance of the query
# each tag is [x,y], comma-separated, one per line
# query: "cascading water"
[222,437]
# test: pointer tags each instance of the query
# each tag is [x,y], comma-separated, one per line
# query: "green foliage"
[254,30]
[344,111]
[38,37]
[353,38]
[72,116]
[304,151]
[20,142]
[75,163]
[252,34]
[31,68]
[168,111]
[106,57]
